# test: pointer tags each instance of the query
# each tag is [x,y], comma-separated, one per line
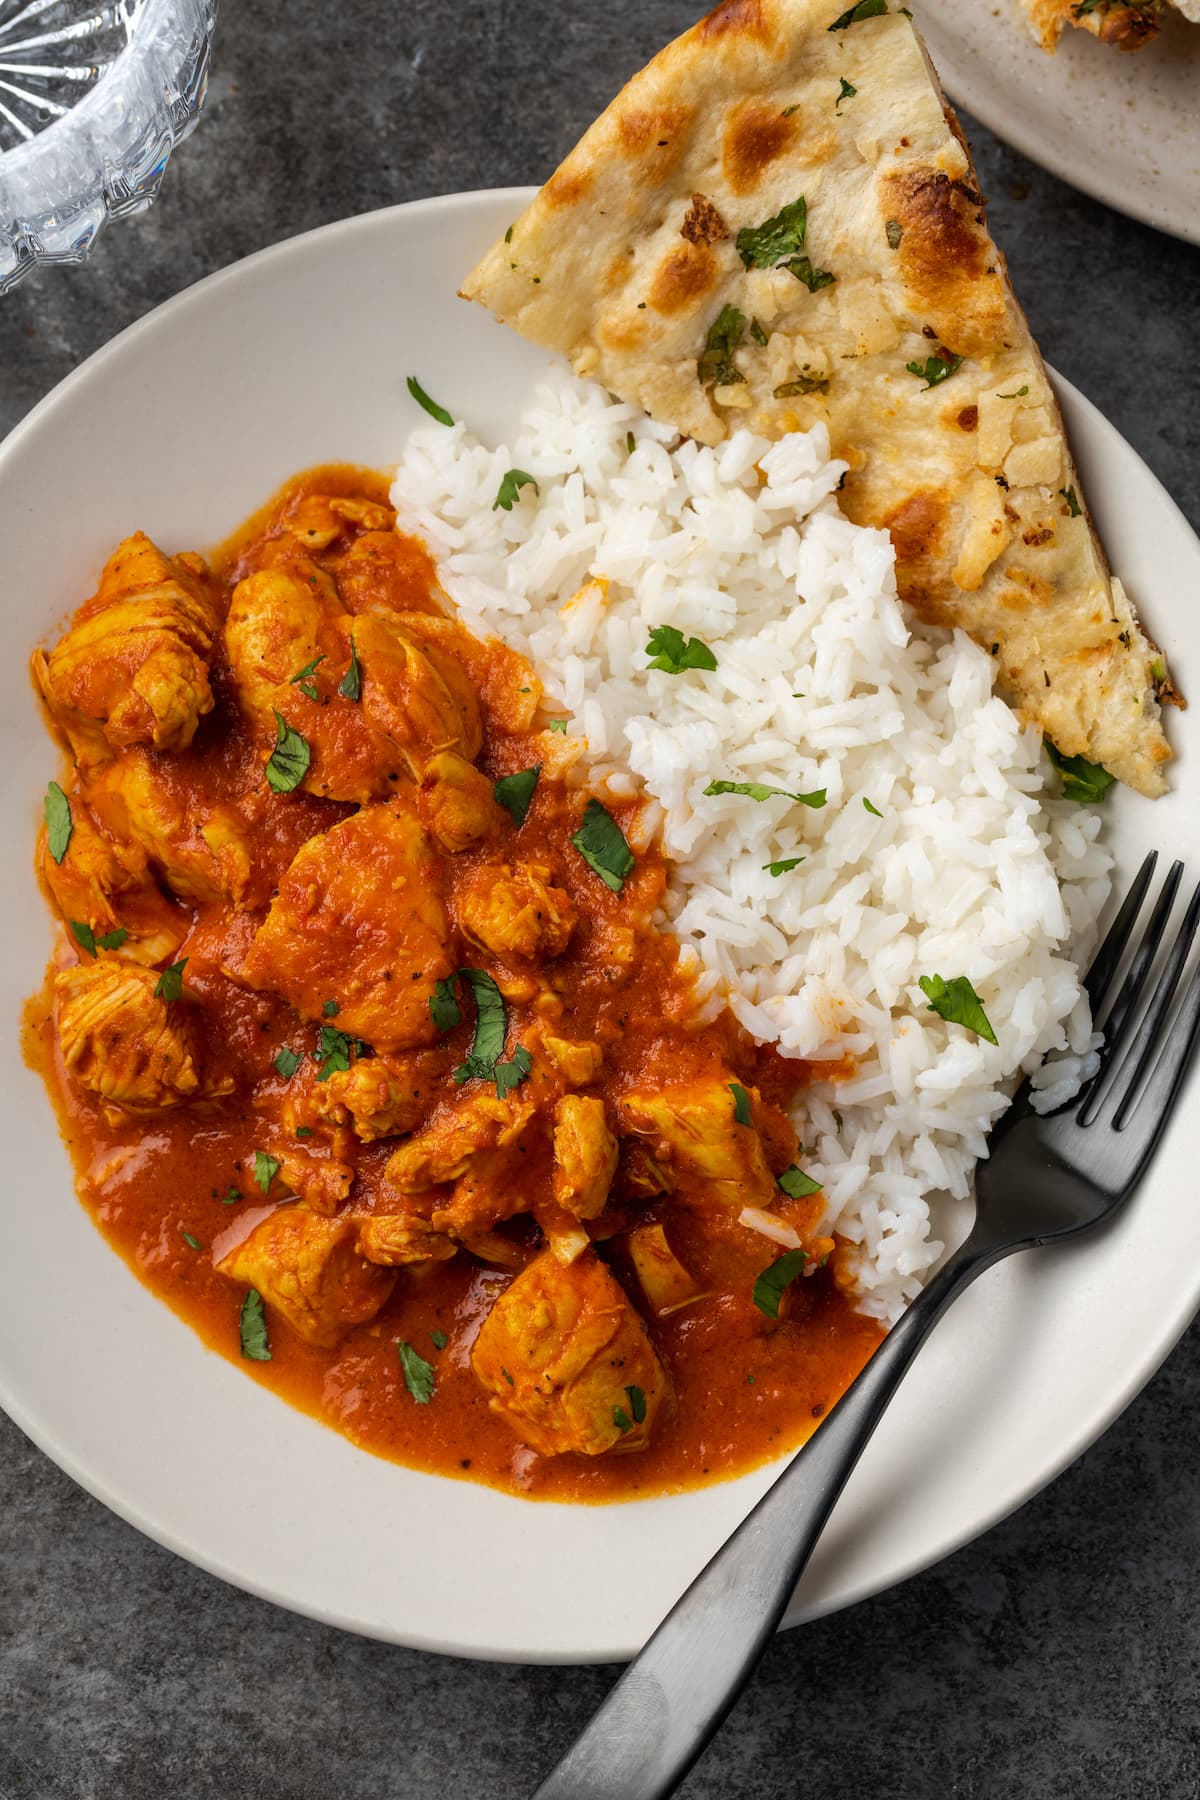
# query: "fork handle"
[673,1697]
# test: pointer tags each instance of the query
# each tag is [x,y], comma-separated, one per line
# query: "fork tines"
[1152,1056]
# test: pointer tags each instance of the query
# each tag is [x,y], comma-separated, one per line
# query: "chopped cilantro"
[769,1288]
[784,866]
[266,1168]
[510,1075]
[803,384]
[491,1027]
[333,1051]
[673,656]
[847,93]
[796,1184]
[440,1340]
[418,1374]
[862,9]
[622,1420]
[510,487]
[86,937]
[256,1345]
[169,985]
[761,790]
[58,821]
[431,406]
[637,1404]
[301,678]
[559,725]
[350,686]
[762,246]
[288,762]
[1082,780]
[515,792]
[444,1009]
[1068,494]
[603,846]
[716,367]
[873,810]
[330,1008]
[934,369]
[741,1103]
[757,332]
[1017,393]
[287,1062]
[957,1002]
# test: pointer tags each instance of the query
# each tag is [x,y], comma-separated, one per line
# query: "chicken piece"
[321,518]
[693,1127]
[416,691]
[380,1096]
[388,572]
[358,919]
[517,912]
[585,1155]
[456,803]
[639,1177]
[311,1270]
[577,1061]
[665,1282]
[133,669]
[109,887]
[510,690]
[322,1182]
[202,852]
[283,620]
[139,1053]
[492,1188]
[568,1362]
[394,1239]
[444,1149]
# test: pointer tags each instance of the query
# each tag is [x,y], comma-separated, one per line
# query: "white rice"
[822,682]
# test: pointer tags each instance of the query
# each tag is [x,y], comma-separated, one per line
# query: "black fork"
[1046,1177]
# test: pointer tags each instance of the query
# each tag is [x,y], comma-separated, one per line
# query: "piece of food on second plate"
[776,225]
[374,1057]
[1123,24]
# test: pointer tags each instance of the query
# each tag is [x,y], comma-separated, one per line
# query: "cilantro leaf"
[193,1243]
[431,406]
[622,1420]
[510,489]
[419,1377]
[300,678]
[440,1340]
[266,1168]
[957,1002]
[769,1288]
[673,656]
[557,725]
[871,809]
[232,1197]
[1017,394]
[444,1009]
[847,93]
[796,1184]
[762,246]
[112,940]
[716,367]
[350,686]
[491,1028]
[603,846]
[287,1062]
[1069,495]
[256,1345]
[515,792]
[330,1008]
[169,985]
[757,332]
[332,1051]
[510,1075]
[288,762]
[761,790]
[1082,780]
[741,1103]
[863,9]
[934,369]
[784,866]
[58,821]
[637,1404]
[801,267]
[803,384]
[83,934]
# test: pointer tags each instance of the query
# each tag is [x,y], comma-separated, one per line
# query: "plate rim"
[74,1463]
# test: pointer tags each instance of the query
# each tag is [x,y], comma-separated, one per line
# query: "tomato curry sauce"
[371,1057]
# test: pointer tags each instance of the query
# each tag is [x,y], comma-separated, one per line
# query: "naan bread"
[632,260]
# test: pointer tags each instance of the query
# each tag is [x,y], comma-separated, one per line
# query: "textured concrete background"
[1060,1656]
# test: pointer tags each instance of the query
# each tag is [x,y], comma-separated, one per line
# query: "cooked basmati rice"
[960,865]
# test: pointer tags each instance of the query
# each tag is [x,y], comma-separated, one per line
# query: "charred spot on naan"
[685,275]
[568,186]
[757,135]
[702,222]
[946,260]
[653,138]
[919,530]
[743,18]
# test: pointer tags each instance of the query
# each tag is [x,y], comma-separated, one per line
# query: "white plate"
[181,427]
[1123,127]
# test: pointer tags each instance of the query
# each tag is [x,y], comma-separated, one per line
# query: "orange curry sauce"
[746,1387]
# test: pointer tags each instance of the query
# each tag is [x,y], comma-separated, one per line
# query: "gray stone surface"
[1058,1657]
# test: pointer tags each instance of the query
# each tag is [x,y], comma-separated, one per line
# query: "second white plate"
[1124,128]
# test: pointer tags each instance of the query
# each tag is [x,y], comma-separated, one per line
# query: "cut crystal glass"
[93,99]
